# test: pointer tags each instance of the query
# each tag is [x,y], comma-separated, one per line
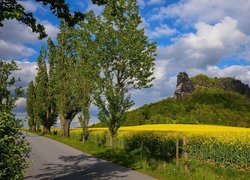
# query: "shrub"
[13,148]
[151,145]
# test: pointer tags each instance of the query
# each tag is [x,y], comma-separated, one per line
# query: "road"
[54,160]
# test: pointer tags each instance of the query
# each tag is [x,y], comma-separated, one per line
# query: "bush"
[13,148]
[151,145]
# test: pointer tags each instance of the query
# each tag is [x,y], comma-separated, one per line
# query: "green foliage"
[122,66]
[13,147]
[86,73]
[41,86]
[30,104]
[204,106]
[66,63]
[151,145]
[6,82]
[12,9]
[41,106]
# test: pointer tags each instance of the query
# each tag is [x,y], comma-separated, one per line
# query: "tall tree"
[41,89]
[45,106]
[51,99]
[30,106]
[126,60]
[66,100]
[87,71]
[13,9]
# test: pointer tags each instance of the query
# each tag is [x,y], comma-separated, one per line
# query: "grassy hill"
[219,101]
[204,106]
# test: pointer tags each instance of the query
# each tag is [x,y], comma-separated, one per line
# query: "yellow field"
[223,133]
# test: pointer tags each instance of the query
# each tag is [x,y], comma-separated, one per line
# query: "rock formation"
[184,86]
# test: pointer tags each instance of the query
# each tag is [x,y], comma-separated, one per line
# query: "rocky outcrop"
[184,86]
[230,84]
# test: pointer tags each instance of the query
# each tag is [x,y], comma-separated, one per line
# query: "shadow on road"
[81,167]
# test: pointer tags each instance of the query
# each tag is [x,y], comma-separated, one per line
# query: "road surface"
[54,160]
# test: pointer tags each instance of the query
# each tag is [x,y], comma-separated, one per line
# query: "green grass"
[155,168]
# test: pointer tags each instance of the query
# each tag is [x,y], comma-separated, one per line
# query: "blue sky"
[208,36]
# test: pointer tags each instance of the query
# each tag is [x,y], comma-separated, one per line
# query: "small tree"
[126,60]
[6,81]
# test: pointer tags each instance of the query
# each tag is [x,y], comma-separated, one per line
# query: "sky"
[211,37]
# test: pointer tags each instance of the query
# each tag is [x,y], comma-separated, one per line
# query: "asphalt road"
[54,160]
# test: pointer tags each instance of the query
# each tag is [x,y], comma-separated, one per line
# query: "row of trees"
[96,62]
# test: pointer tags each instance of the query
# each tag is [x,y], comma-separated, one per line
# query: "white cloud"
[30,6]
[27,73]
[50,29]
[238,72]
[143,3]
[9,50]
[160,31]
[20,105]
[15,32]
[94,7]
[16,38]
[212,11]
[207,46]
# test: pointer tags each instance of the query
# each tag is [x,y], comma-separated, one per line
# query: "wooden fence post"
[185,155]
[177,152]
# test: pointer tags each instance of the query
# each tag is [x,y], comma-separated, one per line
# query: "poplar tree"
[87,71]
[30,106]
[41,86]
[66,100]
[51,99]
[41,106]
[126,59]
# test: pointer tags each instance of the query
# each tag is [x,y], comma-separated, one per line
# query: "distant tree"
[30,106]
[126,60]
[12,9]
[66,100]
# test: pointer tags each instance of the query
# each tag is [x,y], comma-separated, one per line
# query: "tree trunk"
[65,126]
[84,120]
[111,141]
[33,128]
[47,130]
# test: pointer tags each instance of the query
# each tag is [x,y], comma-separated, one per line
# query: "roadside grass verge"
[157,168]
